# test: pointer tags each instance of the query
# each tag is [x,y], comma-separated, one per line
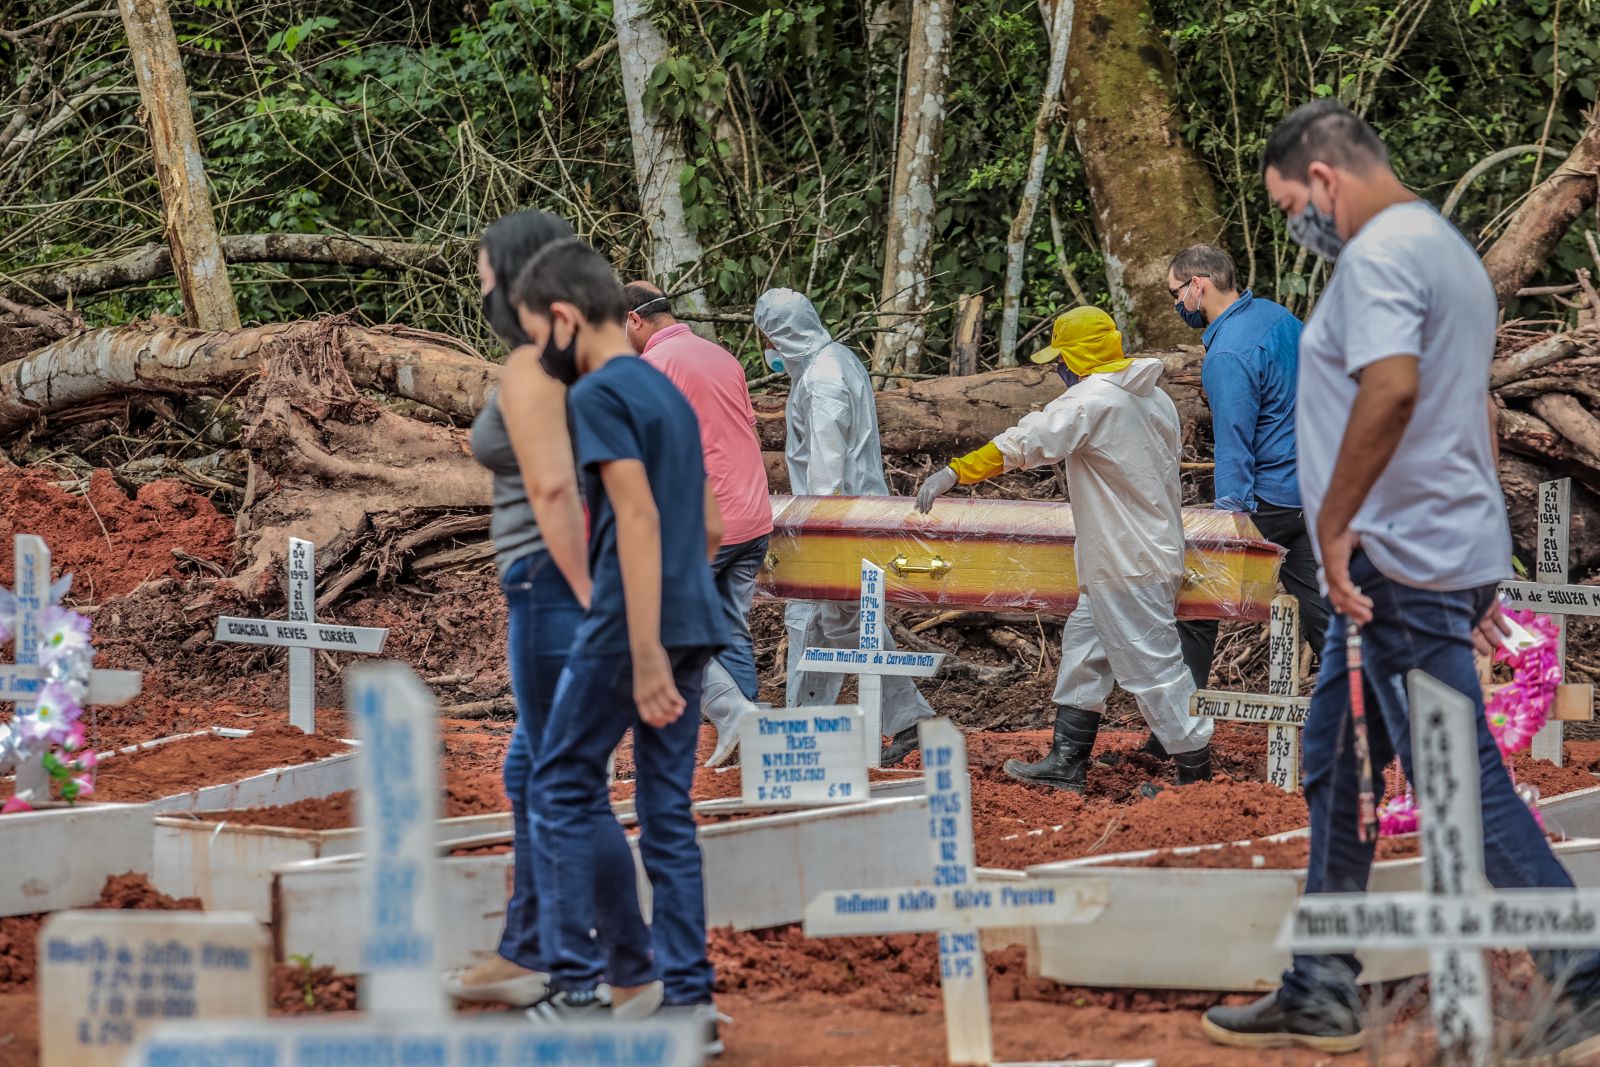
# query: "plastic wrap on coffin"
[995,555]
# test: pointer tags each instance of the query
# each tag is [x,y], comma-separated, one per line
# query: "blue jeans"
[735,570]
[586,873]
[1411,629]
[542,616]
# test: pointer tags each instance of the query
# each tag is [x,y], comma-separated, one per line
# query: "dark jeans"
[586,873]
[735,570]
[542,616]
[1286,528]
[1412,629]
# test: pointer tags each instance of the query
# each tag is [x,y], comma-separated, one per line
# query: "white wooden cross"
[405,1019]
[21,681]
[802,757]
[301,634]
[957,907]
[1457,916]
[1549,594]
[1283,709]
[869,661]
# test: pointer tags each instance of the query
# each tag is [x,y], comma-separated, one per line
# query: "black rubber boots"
[1066,765]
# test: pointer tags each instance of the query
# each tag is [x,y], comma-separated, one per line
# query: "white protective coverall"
[832,450]
[1118,434]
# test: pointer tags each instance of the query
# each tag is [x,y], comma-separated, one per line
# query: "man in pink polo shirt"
[713,382]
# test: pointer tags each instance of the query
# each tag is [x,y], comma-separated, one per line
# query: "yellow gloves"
[979,465]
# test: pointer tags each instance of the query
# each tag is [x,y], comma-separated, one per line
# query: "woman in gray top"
[521,437]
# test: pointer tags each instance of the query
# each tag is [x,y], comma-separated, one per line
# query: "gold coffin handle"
[772,561]
[937,567]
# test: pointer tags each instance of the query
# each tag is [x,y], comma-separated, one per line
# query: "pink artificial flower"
[85,783]
[14,805]
[86,760]
[66,633]
[1398,815]
[76,738]
[52,717]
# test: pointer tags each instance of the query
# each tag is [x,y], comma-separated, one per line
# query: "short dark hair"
[1209,260]
[1323,131]
[572,272]
[646,301]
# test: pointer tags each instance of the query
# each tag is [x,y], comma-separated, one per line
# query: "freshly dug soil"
[109,542]
[466,793]
[309,990]
[19,934]
[190,764]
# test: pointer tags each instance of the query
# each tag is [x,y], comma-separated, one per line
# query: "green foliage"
[427,123]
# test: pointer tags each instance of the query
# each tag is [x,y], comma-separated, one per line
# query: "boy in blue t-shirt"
[653,622]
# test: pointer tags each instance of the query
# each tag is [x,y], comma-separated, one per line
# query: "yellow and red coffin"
[995,555]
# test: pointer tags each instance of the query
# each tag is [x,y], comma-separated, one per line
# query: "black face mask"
[502,319]
[561,363]
[1068,379]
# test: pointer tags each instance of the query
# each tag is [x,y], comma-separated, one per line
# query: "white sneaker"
[497,981]
[643,1004]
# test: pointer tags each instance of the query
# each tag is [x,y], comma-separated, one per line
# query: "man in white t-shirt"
[1398,477]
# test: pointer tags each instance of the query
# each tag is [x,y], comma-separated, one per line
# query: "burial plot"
[1457,917]
[302,634]
[1548,594]
[869,661]
[956,907]
[1283,710]
[105,977]
[406,1018]
[803,757]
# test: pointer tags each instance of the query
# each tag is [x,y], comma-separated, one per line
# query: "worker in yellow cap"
[1118,434]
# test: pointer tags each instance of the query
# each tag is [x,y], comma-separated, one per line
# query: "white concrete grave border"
[869,661]
[957,907]
[403,931]
[301,634]
[759,872]
[1548,594]
[1457,916]
[1283,709]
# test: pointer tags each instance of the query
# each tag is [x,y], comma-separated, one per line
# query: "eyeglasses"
[1174,292]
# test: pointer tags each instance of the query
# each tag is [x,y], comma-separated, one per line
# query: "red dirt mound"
[19,934]
[201,761]
[112,543]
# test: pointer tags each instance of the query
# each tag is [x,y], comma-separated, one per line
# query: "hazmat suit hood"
[795,329]
[1139,378]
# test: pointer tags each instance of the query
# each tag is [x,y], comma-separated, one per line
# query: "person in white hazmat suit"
[1118,434]
[832,450]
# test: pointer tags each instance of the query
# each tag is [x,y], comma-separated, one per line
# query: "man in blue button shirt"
[1250,371]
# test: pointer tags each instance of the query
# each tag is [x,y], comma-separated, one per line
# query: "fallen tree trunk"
[948,416]
[1545,216]
[428,368]
[152,261]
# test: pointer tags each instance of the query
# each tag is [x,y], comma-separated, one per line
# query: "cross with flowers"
[50,682]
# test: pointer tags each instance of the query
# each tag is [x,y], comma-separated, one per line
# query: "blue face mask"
[1068,379]
[774,361]
[1195,319]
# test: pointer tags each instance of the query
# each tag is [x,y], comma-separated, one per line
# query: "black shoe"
[1264,1024]
[1194,766]
[1066,765]
[561,1006]
[899,747]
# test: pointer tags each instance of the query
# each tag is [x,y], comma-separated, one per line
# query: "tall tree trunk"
[1060,29]
[908,250]
[1152,195]
[191,229]
[658,157]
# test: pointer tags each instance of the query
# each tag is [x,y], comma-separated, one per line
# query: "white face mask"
[774,361]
